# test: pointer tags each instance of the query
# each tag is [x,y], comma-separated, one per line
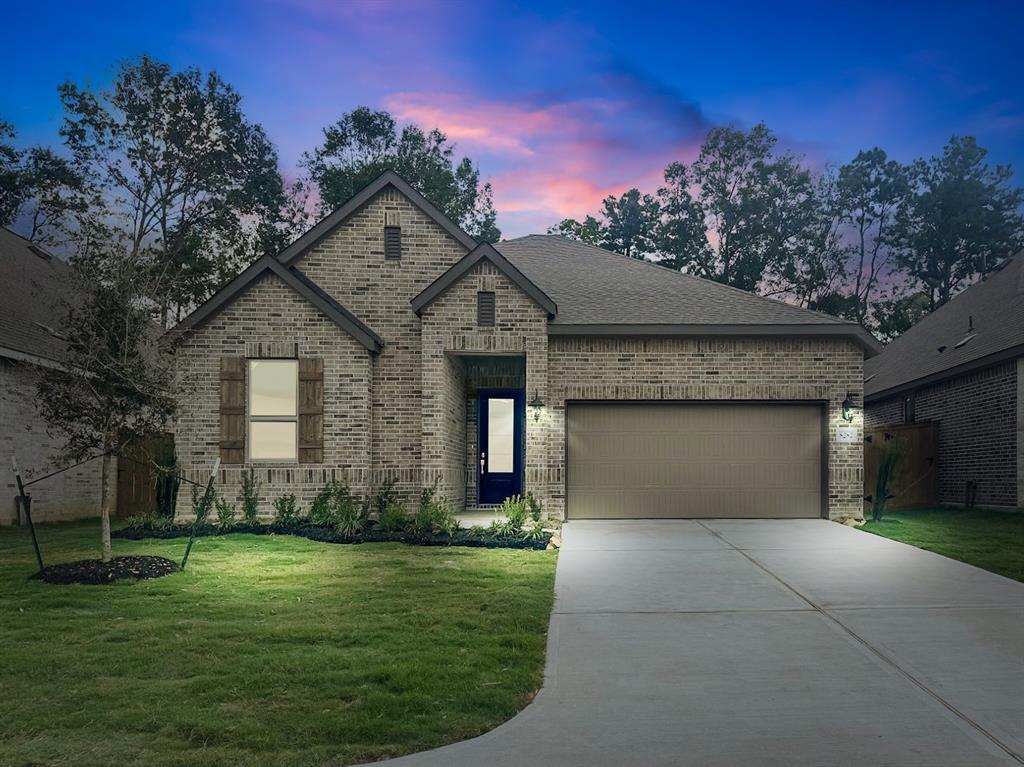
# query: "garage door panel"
[693,460]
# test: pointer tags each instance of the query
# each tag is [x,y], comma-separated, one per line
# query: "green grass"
[269,650]
[991,540]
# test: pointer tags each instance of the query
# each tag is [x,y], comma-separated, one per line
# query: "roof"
[601,292]
[295,279]
[388,178]
[980,326]
[34,292]
[483,252]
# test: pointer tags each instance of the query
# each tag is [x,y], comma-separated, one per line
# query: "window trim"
[250,419]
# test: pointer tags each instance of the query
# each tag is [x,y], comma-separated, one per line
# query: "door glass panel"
[500,435]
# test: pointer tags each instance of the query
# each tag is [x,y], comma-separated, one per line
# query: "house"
[33,292]
[963,367]
[387,345]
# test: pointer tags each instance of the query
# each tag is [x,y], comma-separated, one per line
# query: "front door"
[500,462]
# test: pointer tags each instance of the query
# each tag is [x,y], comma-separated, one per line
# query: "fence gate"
[916,483]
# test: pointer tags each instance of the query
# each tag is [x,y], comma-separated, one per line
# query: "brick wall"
[268,320]
[714,368]
[978,432]
[70,495]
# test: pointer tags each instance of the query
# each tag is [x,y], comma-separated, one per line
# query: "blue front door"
[500,462]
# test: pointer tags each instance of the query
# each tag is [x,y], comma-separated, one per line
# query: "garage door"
[693,460]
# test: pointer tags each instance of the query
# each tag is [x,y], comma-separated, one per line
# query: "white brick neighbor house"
[962,367]
[33,285]
[386,344]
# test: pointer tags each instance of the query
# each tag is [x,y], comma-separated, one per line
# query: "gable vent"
[392,242]
[485,308]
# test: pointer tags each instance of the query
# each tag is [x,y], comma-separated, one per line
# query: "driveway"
[766,643]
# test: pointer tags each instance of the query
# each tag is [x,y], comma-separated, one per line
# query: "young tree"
[364,143]
[631,224]
[178,167]
[961,219]
[871,191]
[113,387]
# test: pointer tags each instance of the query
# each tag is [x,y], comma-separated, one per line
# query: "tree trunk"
[105,476]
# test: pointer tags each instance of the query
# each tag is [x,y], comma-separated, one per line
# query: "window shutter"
[392,242]
[485,308]
[311,410]
[232,410]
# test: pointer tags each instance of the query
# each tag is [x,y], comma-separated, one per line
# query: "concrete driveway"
[767,643]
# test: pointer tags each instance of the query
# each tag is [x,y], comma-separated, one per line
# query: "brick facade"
[978,432]
[409,413]
[70,495]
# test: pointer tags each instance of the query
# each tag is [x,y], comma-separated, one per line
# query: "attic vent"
[965,340]
[870,377]
[485,310]
[392,242]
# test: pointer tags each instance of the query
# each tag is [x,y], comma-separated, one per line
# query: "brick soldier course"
[404,353]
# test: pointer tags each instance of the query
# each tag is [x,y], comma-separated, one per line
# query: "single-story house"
[34,286]
[963,367]
[387,345]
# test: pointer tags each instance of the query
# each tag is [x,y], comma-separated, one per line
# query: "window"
[908,409]
[392,242]
[273,410]
[485,308]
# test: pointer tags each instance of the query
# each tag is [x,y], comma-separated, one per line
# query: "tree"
[11,194]
[179,171]
[896,315]
[112,388]
[631,224]
[961,219]
[365,143]
[589,230]
[872,190]
[682,231]
[817,269]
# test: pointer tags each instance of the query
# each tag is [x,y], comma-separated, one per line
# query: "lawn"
[269,650]
[991,540]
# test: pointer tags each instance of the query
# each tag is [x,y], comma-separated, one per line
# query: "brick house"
[33,288]
[386,344]
[963,367]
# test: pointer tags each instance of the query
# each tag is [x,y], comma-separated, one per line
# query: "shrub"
[202,502]
[534,506]
[394,518]
[321,511]
[250,497]
[351,517]
[434,515]
[149,521]
[386,496]
[535,532]
[225,514]
[286,511]
[888,466]
[516,511]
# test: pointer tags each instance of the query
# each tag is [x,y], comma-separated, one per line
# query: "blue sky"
[560,104]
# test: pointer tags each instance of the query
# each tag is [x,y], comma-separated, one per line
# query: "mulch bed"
[96,572]
[329,535]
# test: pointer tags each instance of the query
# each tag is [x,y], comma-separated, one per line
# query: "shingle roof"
[995,309]
[595,287]
[34,295]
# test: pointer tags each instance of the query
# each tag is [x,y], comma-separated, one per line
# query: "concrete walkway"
[766,643]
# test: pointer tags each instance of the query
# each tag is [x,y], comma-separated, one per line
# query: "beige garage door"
[693,460]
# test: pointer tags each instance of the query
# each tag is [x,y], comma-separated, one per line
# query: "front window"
[273,410]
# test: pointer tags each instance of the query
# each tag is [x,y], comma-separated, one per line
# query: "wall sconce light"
[848,407]
[536,405]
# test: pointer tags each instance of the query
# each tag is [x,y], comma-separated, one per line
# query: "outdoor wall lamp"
[848,407]
[536,405]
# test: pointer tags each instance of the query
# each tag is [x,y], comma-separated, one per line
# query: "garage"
[695,459]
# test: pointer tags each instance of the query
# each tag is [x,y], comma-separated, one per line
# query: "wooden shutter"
[232,410]
[311,410]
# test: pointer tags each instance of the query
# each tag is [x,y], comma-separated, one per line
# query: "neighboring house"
[962,367]
[33,292]
[387,345]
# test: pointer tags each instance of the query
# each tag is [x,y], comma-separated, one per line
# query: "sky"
[560,105]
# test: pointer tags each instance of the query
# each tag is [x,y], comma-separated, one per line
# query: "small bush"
[534,506]
[351,517]
[286,511]
[225,514]
[394,518]
[516,511]
[250,497]
[434,515]
[202,502]
[535,532]
[385,497]
[149,521]
[321,511]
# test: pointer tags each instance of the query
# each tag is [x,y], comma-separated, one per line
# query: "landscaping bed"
[96,572]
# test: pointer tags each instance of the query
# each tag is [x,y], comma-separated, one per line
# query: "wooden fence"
[916,484]
[137,476]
